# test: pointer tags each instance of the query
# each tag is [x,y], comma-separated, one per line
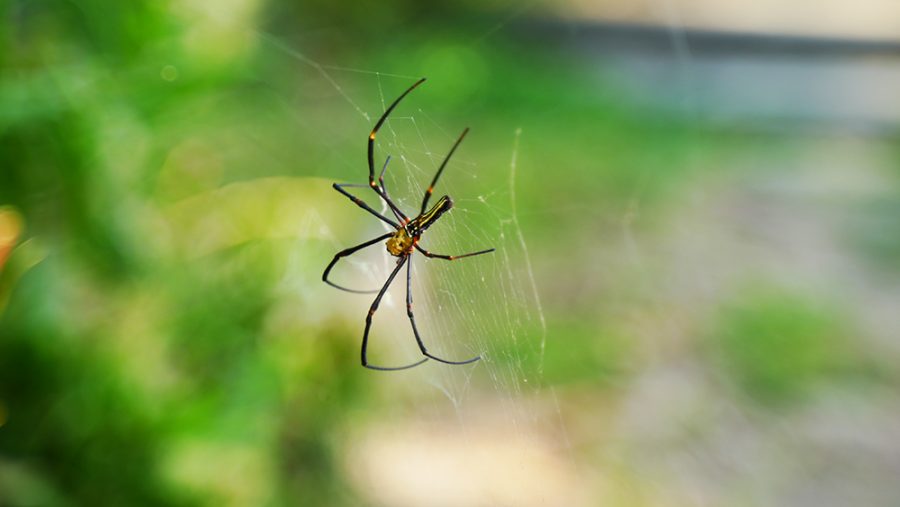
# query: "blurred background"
[695,298]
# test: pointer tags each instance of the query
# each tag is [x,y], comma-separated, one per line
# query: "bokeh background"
[695,298]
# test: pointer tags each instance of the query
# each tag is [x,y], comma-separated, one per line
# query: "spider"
[401,242]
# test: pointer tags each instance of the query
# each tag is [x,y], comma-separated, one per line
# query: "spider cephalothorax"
[402,242]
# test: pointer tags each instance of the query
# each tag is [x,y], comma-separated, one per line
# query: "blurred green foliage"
[866,232]
[779,347]
[590,356]
[152,351]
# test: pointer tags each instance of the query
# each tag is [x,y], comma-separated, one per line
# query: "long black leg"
[371,149]
[381,176]
[345,253]
[412,320]
[451,257]
[384,188]
[397,212]
[381,190]
[372,310]
[359,202]
[440,170]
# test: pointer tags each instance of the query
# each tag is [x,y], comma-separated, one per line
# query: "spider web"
[493,432]
[478,421]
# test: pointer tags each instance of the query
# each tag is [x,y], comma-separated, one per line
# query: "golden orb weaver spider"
[402,242]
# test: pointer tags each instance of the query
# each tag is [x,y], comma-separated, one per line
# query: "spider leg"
[372,310]
[384,189]
[441,170]
[381,176]
[346,252]
[381,183]
[371,149]
[381,190]
[359,202]
[451,257]
[412,321]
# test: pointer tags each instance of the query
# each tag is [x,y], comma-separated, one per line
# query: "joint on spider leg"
[372,136]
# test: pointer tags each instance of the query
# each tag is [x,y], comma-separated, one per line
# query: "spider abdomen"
[427,218]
